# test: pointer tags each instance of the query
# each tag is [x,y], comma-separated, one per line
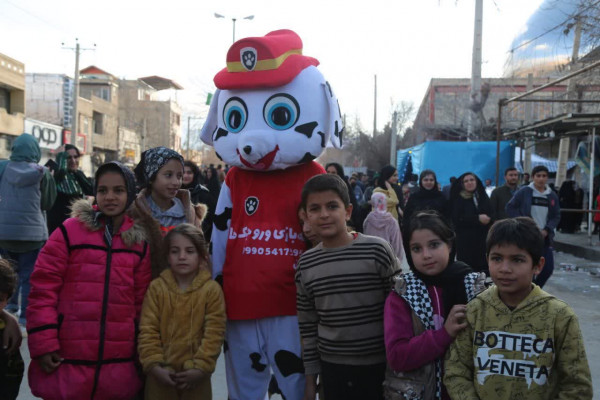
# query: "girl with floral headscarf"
[162,204]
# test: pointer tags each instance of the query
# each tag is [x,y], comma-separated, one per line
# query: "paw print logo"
[248,58]
[251,205]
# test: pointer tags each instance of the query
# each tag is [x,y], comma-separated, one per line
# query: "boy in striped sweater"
[342,284]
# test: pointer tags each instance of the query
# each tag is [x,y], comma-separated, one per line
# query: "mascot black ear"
[336,123]
[212,121]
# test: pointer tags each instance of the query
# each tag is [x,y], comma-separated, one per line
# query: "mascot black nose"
[247,149]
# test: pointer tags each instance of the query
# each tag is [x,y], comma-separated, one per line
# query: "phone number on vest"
[275,251]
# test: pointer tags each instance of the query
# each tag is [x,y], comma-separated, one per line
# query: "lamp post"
[249,17]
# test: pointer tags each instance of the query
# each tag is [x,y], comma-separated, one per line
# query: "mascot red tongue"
[272,115]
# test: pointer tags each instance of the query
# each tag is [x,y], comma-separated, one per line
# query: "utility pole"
[393,160]
[74,116]
[375,109]
[144,134]
[529,145]
[189,118]
[565,142]
[475,95]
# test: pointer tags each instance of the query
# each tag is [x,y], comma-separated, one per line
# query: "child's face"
[111,195]
[429,253]
[327,214]
[307,231]
[184,259]
[540,179]
[512,270]
[168,180]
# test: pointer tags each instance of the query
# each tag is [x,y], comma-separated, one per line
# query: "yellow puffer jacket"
[182,330]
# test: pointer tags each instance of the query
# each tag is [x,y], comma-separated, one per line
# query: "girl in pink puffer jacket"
[87,290]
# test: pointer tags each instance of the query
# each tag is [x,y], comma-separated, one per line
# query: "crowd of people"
[118,298]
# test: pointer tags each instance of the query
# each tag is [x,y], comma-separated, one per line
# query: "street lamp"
[249,17]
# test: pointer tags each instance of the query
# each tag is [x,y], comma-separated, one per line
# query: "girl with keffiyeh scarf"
[426,309]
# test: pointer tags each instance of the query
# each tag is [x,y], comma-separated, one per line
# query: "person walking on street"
[428,197]
[388,185]
[471,217]
[192,181]
[502,195]
[26,191]
[539,202]
[71,185]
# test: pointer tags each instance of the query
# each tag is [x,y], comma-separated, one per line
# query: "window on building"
[177,119]
[86,125]
[98,122]
[8,142]
[5,99]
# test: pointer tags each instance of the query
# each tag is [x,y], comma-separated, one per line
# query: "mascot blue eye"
[281,111]
[235,114]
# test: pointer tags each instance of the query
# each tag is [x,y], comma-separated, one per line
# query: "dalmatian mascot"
[272,115]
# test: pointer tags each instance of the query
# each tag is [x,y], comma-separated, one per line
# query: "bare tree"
[374,152]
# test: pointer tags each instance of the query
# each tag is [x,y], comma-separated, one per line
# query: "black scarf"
[452,282]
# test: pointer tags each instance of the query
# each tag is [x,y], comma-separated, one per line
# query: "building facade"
[102,90]
[12,102]
[147,106]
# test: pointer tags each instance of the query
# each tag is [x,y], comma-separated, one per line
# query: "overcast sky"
[404,42]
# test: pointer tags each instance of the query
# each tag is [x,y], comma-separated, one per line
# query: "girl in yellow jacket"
[183,321]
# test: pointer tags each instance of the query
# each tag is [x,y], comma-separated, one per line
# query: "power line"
[59,29]
[555,27]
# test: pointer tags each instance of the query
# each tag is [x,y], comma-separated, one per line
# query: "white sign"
[48,135]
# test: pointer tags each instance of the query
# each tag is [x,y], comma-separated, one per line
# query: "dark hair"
[539,168]
[507,170]
[8,278]
[425,173]
[71,147]
[432,221]
[194,235]
[385,174]
[338,168]
[523,232]
[323,183]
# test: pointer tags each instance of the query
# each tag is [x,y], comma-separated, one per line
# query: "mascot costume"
[272,115]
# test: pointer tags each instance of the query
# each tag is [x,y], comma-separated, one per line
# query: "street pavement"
[575,280]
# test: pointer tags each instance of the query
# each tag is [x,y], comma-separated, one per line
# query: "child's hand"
[162,375]
[188,379]
[310,388]
[11,339]
[50,361]
[457,320]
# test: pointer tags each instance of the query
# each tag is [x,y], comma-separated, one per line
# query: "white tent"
[536,160]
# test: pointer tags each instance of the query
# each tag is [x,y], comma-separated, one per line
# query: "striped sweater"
[341,293]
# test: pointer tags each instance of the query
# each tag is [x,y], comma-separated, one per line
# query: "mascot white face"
[265,129]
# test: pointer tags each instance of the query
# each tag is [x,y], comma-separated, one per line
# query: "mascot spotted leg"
[272,115]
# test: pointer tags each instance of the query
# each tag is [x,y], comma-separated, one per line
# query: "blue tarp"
[449,159]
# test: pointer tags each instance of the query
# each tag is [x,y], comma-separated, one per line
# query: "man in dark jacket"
[502,195]
[540,203]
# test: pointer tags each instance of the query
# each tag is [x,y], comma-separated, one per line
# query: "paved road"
[579,288]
